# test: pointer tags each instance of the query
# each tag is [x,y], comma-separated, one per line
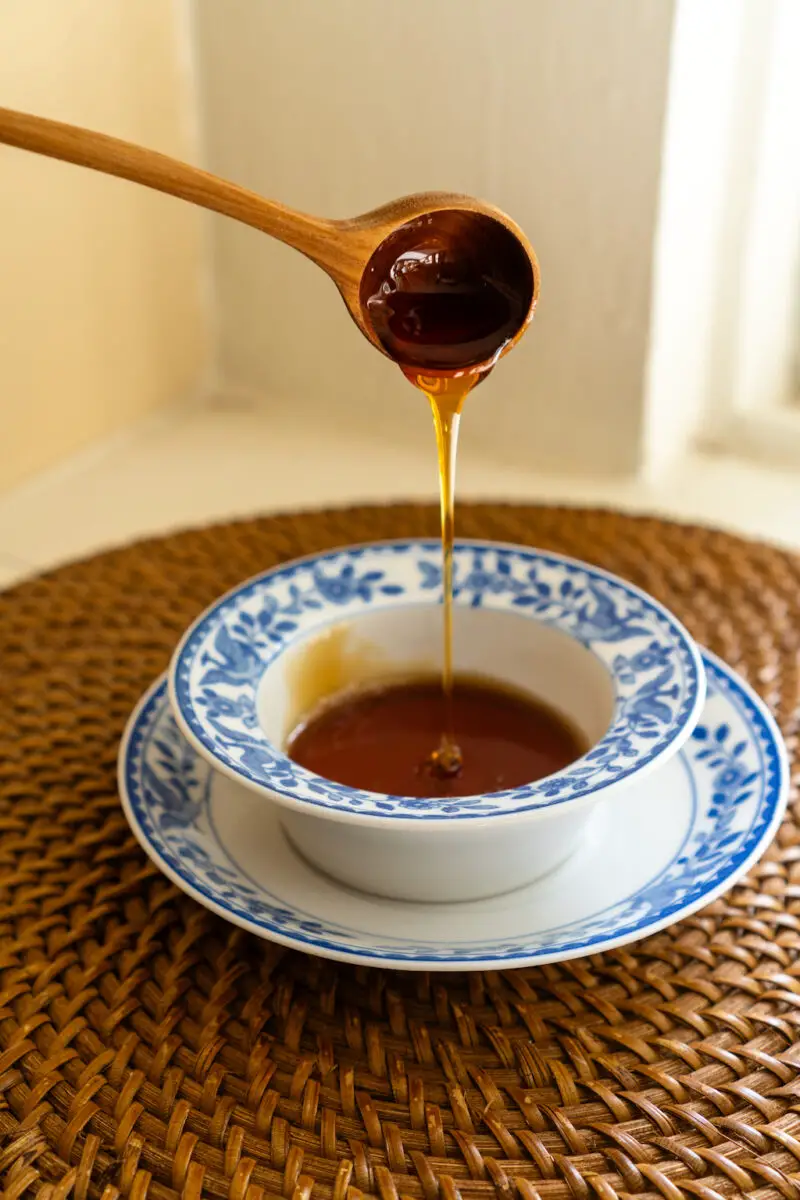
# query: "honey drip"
[446,394]
[446,294]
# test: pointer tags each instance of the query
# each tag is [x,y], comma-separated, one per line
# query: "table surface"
[147,1049]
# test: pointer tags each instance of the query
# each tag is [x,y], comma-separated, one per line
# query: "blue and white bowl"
[604,653]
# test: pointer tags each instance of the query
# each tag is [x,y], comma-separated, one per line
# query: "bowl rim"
[330,811]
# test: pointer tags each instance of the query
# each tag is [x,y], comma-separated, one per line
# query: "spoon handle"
[313,236]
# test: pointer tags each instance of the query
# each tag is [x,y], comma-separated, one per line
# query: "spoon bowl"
[449,290]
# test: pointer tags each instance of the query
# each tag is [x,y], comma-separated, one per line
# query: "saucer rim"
[308,944]
[683,643]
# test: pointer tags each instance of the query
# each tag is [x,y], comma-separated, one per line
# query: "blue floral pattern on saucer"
[654,664]
[737,771]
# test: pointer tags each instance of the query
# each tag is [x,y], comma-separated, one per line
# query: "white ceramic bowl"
[604,653]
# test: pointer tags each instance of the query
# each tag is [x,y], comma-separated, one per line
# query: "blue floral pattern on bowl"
[657,674]
[738,773]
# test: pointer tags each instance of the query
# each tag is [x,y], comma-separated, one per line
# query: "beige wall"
[101,283]
[552,110]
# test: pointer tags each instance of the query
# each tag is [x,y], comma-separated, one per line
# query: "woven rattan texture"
[149,1050]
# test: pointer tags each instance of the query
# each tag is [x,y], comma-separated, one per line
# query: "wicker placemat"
[149,1050]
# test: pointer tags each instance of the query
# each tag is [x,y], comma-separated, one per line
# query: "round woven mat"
[147,1049]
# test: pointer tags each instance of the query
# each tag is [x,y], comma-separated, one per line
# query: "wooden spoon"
[343,248]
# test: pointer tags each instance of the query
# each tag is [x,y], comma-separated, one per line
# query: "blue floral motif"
[654,666]
[221,710]
[736,764]
[590,613]
[347,585]
[732,786]
[172,776]
[480,581]
[430,575]
[232,660]
[650,708]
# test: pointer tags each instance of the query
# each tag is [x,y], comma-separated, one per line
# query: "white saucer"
[652,855]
